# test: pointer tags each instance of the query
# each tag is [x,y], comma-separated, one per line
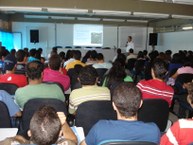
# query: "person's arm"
[67,131]
[83,143]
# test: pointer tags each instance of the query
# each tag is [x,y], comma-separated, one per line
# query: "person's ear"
[141,103]
[152,73]
[114,106]
[78,79]
[29,133]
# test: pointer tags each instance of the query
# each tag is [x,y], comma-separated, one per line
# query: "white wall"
[51,34]
[175,41]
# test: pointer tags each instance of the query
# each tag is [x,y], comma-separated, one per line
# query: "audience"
[10,76]
[131,54]
[32,54]
[157,87]
[54,73]
[89,91]
[126,102]
[100,63]
[37,89]
[181,131]
[69,57]
[47,127]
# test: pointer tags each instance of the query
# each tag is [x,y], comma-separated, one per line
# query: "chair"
[129,143]
[154,110]
[5,121]
[88,113]
[9,88]
[101,72]
[34,104]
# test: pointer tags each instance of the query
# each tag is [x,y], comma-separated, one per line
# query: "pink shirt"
[56,76]
[185,69]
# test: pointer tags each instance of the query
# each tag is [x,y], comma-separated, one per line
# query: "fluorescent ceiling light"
[60,17]
[89,19]
[155,0]
[187,28]
[36,17]
[67,11]
[150,15]
[182,17]
[114,20]
[21,9]
[188,2]
[137,21]
[111,13]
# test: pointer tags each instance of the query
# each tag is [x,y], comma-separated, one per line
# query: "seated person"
[126,102]
[53,73]
[157,87]
[181,131]
[13,108]
[21,57]
[37,89]
[46,127]
[32,54]
[89,91]
[77,57]
[100,62]
[10,76]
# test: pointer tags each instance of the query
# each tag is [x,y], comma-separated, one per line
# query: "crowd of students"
[126,83]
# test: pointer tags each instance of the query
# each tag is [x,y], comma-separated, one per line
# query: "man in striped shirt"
[181,133]
[89,91]
[156,87]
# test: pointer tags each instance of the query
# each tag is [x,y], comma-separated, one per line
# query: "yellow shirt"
[73,63]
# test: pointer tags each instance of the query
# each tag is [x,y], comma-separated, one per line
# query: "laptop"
[7,132]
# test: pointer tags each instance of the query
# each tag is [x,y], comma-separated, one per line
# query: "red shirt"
[156,89]
[181,133]
[18,79]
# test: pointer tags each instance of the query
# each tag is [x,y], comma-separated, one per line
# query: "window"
[6,40]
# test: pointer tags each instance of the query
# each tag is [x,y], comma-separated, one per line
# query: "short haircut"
[127,98]
[32,52]
[88,75]
[77,54]
[55,62]
[160,67]
[100,56]
[20,55]
[131,50]
[34,70]
[45,126]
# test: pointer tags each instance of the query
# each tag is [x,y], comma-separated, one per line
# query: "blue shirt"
[9,102]
[120,130]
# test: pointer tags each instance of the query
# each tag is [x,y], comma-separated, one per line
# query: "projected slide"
[88,35]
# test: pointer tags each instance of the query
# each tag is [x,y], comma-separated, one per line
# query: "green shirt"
[22,95]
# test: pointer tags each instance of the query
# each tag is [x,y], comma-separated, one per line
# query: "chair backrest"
[34,104]
[5,121]
[88,113]
[101,72]
[154,110]
[8,87]
[129,143]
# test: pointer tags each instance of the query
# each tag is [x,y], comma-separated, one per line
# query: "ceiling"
[163,15]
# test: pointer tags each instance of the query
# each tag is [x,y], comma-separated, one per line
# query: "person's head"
[88,76]
[118,51]
[32,52]
[159,69]
[131,50]
[190,93]
[54,62]
[100,57]
[127,99]
[45,126]
[40,50]
[12,52]
[129,38]
[21,55]
[9,63]
[34,70]
[77,54]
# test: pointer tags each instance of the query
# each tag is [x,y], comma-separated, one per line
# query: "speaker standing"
[129,44]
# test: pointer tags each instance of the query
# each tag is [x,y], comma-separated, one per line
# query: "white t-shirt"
[129,46]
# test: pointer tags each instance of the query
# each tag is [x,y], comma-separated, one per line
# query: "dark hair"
[88,75]
[55,62]
[100,56]
[34,70]
[118,51]
[69,54]
[160,67]
[77,54]
[32,52]
[20,55]
[131,50]
[45,126]
[127,98]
